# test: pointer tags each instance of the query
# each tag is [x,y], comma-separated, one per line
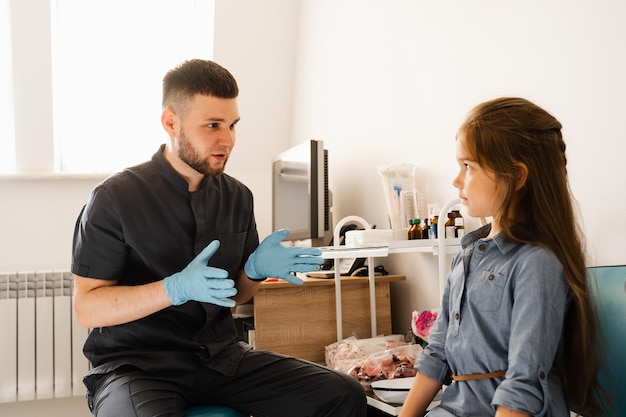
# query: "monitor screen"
[300,198]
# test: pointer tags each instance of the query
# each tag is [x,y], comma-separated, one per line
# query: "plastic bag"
[374,359]
[399,189]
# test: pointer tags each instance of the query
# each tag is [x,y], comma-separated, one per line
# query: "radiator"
[41,343]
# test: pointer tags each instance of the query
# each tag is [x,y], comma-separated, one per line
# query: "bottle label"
[449,231]
[458,221]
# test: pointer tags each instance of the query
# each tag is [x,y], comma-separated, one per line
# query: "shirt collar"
[167,171]
[481,233]
[170,173]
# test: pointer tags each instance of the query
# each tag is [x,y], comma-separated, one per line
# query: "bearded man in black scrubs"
[161,253]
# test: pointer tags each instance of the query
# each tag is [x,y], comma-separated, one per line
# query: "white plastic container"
[368,238]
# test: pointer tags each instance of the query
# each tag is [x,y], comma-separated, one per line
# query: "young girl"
[517,327]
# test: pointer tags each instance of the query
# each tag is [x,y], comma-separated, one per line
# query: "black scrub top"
[142,225]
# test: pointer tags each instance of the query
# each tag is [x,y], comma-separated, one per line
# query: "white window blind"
[107,61]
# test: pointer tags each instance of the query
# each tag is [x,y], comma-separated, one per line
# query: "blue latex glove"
[272,259]
[200,282]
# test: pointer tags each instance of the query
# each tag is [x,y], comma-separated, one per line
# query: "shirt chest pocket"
[229,256]
[487,290]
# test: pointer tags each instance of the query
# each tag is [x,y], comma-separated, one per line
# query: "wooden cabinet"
[301,320]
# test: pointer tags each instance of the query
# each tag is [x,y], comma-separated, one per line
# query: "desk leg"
[372,284]
[339,314]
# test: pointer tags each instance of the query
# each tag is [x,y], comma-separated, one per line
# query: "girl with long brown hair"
[517,326]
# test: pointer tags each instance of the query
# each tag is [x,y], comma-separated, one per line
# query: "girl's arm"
[420,396]
[502,411]
[540,300]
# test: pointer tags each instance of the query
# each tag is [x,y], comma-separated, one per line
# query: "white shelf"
[396,246]
[340,252]
[435,246]
[423,245]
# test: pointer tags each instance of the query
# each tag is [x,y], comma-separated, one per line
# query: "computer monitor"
[300,196]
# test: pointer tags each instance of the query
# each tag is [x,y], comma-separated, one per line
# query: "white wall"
[256,41]
[37,221]
[389,82]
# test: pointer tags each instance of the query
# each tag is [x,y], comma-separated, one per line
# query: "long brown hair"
[501,135]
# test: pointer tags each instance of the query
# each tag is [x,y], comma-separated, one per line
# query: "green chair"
[608,286]
[213,411]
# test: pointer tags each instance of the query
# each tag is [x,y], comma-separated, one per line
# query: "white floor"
[59,407]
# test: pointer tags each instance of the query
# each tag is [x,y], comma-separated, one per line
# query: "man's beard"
[190,156]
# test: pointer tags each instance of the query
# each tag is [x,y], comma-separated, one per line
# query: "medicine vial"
[459,224]
[450,226]
[433,227]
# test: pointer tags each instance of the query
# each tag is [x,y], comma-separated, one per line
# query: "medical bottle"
[459,224]
[417,232]
[411,229]
[450,226]
[433,227]
[425,229]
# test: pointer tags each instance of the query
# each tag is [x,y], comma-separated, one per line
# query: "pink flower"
[422,322]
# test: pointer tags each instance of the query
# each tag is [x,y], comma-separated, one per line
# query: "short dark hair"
[197,76]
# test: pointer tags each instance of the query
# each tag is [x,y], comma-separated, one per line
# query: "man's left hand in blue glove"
[272,259]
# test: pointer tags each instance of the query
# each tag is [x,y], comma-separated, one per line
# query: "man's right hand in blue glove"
[200,282]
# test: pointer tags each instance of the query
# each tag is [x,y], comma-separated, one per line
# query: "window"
[107,61]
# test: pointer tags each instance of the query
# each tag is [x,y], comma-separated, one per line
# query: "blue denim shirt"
[503,308]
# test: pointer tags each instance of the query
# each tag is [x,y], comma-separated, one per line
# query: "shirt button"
[542,375]
[490,277]
[456,316]
[481,247]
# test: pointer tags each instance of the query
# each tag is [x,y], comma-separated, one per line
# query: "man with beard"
[161,253]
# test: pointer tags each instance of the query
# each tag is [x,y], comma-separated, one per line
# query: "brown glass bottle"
[459,224]
[425,229]
[417,232]
[450,226]
[411,229]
